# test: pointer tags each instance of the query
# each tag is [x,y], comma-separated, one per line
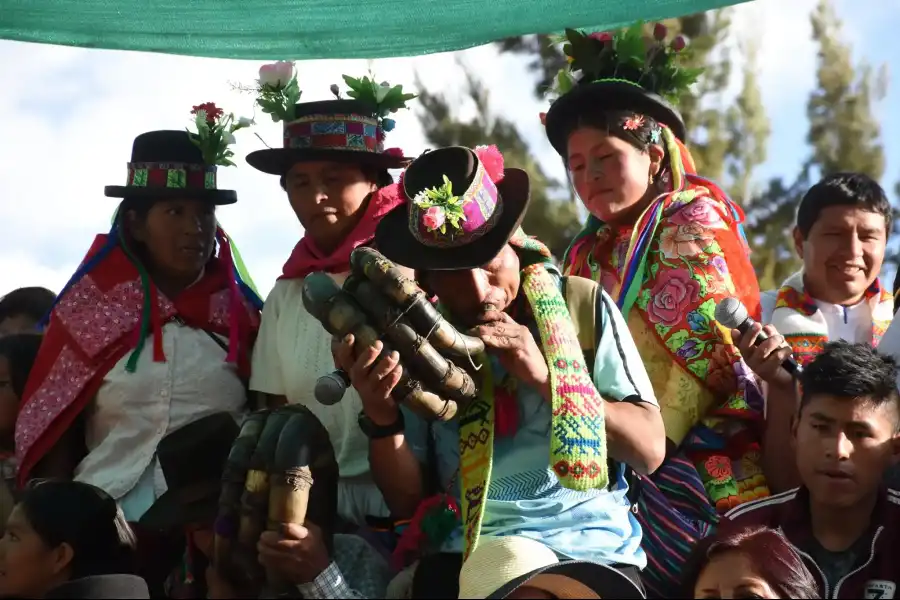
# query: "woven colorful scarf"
[799,320]
[578,430]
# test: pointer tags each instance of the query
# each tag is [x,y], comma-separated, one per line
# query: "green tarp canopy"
[311,29]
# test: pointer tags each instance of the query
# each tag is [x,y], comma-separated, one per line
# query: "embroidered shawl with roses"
[667,272]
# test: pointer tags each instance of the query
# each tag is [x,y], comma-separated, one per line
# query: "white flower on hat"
[276,74]
[277,90]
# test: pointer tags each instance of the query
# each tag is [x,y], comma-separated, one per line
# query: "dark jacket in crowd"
[875,571]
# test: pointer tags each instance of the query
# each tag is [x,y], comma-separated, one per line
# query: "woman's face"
[327,197]
[9,402]
[731,575]
[28,568]
[179,236]
[610,175]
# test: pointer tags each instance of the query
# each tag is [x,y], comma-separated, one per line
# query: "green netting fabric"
[309,29]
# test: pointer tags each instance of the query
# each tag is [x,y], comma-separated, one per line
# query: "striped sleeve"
[758,512]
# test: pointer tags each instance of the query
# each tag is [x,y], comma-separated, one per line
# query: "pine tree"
[843,131]
[702,106]
[770,220]
[705,120]
[748,129]
[770,211]
[843,136]
[552,215]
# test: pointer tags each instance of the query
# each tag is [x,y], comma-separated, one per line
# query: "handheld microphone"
[330,388]
[732,313]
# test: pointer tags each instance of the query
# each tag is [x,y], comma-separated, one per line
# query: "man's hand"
[517,350]
[297,553]
[373,383]
[765,358]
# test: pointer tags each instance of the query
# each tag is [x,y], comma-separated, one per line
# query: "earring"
[651,179]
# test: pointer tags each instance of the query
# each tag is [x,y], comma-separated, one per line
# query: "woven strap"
[578,429]
[476,456]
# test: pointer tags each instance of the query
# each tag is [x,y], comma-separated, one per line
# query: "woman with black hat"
[153,331]
[668,245]
[334,168]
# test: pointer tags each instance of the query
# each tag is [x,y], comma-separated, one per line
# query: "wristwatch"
[376,432]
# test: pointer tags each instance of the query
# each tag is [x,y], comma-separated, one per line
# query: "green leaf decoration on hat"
[384,97]
[628,55]
[215,133]
[440,207]
[277,90]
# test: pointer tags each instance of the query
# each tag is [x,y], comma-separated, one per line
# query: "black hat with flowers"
[463,206]
[621,71]
[351,129]
[182,164]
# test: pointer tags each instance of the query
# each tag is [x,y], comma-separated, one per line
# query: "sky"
[70,116]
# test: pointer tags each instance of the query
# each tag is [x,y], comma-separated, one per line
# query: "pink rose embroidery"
[699,212]
[685,240]
[671,297]
[434,218]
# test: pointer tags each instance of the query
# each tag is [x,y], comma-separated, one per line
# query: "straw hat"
[501,565]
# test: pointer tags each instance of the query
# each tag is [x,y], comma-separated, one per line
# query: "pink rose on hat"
[276,74]
[434,218]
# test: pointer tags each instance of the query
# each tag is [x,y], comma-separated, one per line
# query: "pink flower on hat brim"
[434,218]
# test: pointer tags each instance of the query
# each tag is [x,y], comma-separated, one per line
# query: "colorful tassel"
[234,323]
[242,274]
[431,526]
[492,161]
[506,412]
[131,365]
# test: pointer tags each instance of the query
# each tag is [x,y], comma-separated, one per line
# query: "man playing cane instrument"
[536,437]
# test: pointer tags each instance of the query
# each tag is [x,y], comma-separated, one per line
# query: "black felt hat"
[599,96]
[167,164]
[493,212]
[622,71]
[192,461]
[330,130]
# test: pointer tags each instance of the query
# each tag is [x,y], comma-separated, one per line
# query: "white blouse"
[291,352]
[132,412]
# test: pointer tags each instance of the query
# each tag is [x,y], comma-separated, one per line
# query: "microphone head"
[330,389]
[731,313]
